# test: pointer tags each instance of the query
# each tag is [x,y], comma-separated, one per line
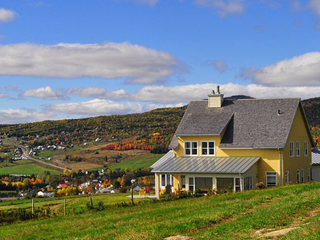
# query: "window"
[298,176]
[191,148]
[204,184]
[298,149]
[191,184]
[225,184]
[247,183]
[237,185]
[183,181]
[286,177]
[305,148]
[271,179]
[302,175]
[166,179]
[291,149]
[207,148]
[309,174]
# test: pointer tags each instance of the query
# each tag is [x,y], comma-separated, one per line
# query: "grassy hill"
[226,216]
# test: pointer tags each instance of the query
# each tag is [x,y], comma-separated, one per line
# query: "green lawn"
[25,169]
[142,161]
[227,216]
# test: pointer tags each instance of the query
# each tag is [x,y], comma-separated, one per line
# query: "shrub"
[100,206]
[260,185]
[123,189]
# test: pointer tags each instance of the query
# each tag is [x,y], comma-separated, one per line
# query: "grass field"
[28,168]
[142,161]
[228,216]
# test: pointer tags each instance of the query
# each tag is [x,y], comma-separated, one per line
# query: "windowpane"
[204,151]
[191,181]
[163,180]
[271,179]
[204,144]
[194,151]
[211,144]
[188,152]
[194,145]
[187,144]
[211,151]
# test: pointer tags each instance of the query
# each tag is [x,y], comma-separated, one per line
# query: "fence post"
[65,207]
[32,205]
[91,203]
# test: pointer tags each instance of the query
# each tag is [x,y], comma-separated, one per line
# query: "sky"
[73,59]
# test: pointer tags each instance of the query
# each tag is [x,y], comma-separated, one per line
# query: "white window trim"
[306,148]
[302,175]
[191,148]
[298,148]
[194,184]
[214,148]
[287,177]
[291,150]
[166,180]
[267,178]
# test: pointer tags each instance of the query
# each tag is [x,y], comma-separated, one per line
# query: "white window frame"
[194,184]
[235,186]
[214,148]
[266,178]
[298,149]
[298,176]
[306,148]
[287,177]
[291,149]
[302,175]
[185,143]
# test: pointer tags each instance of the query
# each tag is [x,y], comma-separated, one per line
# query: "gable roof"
[249,123]
[168,163]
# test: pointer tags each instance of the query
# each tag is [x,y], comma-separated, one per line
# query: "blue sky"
[70,59]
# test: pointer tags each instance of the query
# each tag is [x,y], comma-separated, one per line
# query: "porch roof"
[170,164]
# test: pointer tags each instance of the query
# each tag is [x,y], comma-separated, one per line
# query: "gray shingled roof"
[204,164]
[315,157]
[249,123]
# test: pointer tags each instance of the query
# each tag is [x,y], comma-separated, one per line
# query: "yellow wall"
[269,157]
[292,164]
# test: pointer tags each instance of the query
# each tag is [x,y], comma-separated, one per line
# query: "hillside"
[246,215]
[144,131]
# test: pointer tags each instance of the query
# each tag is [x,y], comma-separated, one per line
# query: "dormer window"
[207,148]
[191,148]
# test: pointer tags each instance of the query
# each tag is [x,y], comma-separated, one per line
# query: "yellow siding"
[269,162]
[292,164]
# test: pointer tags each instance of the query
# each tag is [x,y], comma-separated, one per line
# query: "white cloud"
[6,15]
[186,93]
[45,93]
[12,89]
[223,7]
[95,107]
[12,116]
[99,93]
[303,70]
[107,60]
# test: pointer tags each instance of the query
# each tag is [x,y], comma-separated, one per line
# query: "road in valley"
[26,155]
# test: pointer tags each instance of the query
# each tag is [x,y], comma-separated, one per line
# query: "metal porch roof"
[170,164]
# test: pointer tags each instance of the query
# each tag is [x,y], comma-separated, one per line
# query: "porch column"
[157,185]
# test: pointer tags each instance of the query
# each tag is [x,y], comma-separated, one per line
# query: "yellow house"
[233,144]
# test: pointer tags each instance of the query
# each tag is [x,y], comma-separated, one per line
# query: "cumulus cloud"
[12,116]
[303,70]
[6,15]
[135,63]
[45,93]
[95,107]
[223,7]
[99,93]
